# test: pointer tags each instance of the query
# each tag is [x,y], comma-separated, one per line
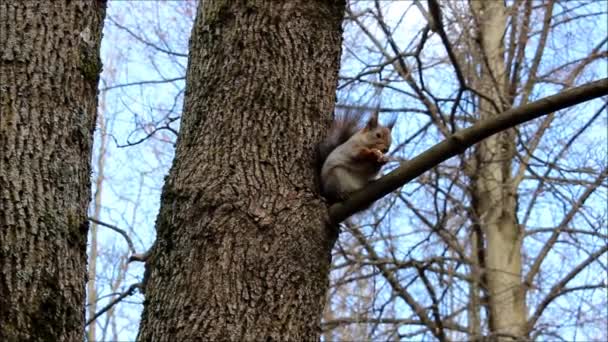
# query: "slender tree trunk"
[99,180]
[243,250]
[49,70]
[494,193]
[473,312]
[328,315]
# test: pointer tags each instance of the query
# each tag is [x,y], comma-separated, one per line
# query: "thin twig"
[123,85]
[128,292]
[119,231]
[144,41]
[560,288]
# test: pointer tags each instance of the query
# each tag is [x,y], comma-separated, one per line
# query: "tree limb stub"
[462,140]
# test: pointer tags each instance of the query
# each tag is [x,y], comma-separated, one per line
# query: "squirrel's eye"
[378,135]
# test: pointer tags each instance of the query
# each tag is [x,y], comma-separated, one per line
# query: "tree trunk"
[243,250]
[99,183]
[494,193]
[49,70]
[474,307]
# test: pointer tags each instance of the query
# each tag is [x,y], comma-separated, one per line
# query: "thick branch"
[462,140]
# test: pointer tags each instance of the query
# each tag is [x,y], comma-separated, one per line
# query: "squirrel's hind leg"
[345,182]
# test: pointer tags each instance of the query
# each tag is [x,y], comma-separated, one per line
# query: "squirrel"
[351,157]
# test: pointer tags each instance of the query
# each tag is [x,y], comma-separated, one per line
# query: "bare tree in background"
[140,113]
[49,72]
[483,257]
[96,203]
[108,261]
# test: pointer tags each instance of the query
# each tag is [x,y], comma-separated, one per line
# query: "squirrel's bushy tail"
[344,126]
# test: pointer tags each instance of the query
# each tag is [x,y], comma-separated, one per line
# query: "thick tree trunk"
[494,193]
[242,250]
[49,70]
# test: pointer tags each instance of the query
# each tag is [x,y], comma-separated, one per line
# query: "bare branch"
[538,54]
[145,41]
[553,165]
[460,141]
[141,257]
[400,67]
[566,230]
[123,85]
[332,324]
[535,268]
[559,288]
[440,332]
[118,230]
[521,48]
[396,286]
[438,27]
[127,293]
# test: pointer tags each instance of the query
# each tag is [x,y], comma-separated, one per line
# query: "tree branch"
[460,141]
[560,288]
[392,280]
[119,231]
[437,26]
[536,265]
[142,257]
[144,41]
[128,292]
[164,80]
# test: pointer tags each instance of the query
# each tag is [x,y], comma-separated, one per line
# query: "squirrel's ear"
[392,123]
[372,122]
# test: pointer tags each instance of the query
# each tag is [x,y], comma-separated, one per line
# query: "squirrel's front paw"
[383,160]
[380,157]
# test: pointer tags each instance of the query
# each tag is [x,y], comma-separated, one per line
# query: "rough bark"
[49,70]
[494,196]
[243,249]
